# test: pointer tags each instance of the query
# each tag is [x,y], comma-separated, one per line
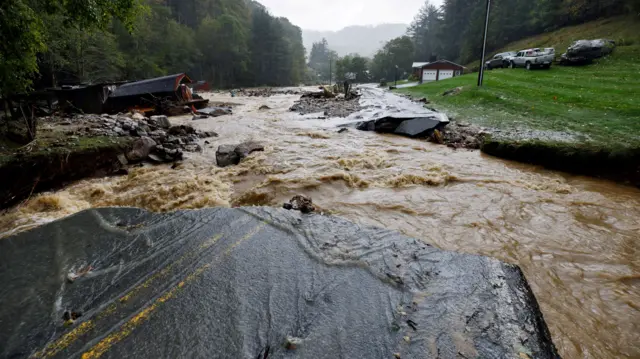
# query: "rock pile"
[266,92]
[332,107]
[461,135]
[158,139]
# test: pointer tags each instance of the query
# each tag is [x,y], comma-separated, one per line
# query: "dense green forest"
[227,42]
[454,31]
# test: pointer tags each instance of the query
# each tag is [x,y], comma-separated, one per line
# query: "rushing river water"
[577,239]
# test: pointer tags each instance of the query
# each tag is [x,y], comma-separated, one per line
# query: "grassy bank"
[625,30]
[52,161]
[582,119]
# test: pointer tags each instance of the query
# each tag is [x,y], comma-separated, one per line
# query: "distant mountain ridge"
[363,40]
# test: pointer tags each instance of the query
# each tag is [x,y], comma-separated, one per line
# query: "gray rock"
[160,121]
[158,135]
[118,130]
[138,116]
[207,134]
[228,155]
[123,160]
[139,132]
[193,148]
[141,149]
[181,130]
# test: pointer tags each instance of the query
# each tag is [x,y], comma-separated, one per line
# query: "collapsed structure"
[167,95]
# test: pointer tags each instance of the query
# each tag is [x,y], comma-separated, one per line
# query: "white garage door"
[446,74]
[429,75]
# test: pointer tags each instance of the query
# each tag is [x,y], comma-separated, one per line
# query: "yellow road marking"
[126,329]
[85,327]
[168,268]
[105,344]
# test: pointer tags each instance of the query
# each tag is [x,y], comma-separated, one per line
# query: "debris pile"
[157,140]
[460,135]
[300,203]
[265,92]
[328,103]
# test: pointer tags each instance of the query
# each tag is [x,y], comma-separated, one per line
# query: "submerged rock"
[228,155]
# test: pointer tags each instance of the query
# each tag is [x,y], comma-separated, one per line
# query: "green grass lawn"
[598,104]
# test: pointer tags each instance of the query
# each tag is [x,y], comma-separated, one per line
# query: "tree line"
[454,30]
[229,43]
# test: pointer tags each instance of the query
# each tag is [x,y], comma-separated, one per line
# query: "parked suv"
[532,58]
[501,60]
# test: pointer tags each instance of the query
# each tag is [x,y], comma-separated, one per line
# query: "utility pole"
[330,70]
[484,46]
[396,77]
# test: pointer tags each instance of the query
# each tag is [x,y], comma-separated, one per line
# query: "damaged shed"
[156,94]
[88,99]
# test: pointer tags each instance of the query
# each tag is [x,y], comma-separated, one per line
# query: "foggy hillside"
[363,40]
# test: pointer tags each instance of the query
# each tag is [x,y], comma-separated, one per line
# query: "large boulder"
[228,155]
[255,283]
[160,121]
[141,149]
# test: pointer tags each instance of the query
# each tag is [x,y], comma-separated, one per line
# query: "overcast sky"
[337,14]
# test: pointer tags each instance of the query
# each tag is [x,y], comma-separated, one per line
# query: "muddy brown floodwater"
[577,239]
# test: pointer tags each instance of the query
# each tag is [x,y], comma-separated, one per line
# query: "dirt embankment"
[555,152]
[28,172]
[72,148]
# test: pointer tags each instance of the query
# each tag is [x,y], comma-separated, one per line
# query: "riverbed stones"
[228,155]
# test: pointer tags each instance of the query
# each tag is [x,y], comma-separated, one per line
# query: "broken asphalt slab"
[254,281]
[418,125]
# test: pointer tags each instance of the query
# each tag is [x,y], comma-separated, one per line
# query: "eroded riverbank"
[575,238]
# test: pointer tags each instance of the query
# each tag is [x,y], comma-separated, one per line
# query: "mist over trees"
[226,42]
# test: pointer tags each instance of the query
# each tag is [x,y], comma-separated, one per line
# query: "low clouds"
[337,14]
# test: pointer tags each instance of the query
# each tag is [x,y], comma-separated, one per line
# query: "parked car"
[585,51]
[500,60]
[532,58]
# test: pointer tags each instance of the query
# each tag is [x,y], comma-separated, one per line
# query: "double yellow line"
[141,316]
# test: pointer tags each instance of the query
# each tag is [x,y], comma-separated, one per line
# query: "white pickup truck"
[532,58]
